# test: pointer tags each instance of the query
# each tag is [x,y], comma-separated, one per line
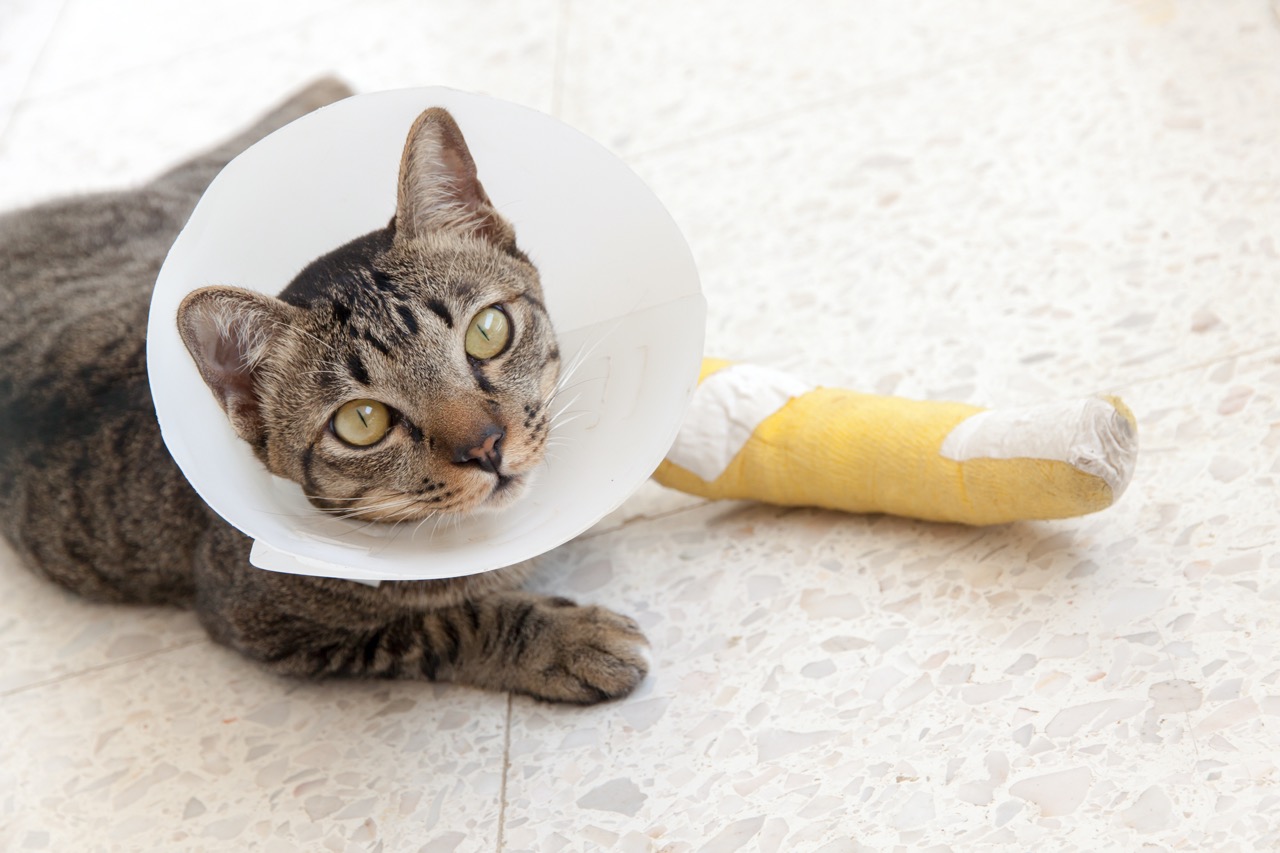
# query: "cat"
[403,374]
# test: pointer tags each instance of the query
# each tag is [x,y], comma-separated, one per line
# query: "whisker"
[574,365]
[328,498]
[389,506]
[369,524]
[319,515]
[405,496]
[584,353]
[561,424]
[413,537]
[386,504]
[352,532]
[571,387]
[565,408]
[435,528]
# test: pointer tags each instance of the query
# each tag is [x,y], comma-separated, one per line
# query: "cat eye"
[488,334]
[362,422]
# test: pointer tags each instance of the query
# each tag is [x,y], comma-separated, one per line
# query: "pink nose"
[486,451]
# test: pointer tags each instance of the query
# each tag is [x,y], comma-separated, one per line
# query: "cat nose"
[485,450]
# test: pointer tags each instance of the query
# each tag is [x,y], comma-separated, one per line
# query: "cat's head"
[406,373]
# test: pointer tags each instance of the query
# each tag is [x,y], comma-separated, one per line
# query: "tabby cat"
[403,374]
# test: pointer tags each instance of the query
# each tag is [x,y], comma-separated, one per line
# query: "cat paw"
[591,655]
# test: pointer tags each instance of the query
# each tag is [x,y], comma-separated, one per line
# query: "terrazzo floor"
[1000,203]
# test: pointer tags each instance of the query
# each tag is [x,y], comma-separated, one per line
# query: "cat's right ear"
[231,334]
[439,191]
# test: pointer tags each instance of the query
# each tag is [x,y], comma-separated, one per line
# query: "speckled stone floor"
[1000,203]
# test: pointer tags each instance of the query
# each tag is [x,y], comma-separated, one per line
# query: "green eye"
[488,334]
[362,422]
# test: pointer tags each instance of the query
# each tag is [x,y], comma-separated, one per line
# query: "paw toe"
[600,656]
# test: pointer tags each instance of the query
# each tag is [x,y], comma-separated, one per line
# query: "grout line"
[1120,386]
[247,38]
[102,667]
[642,519]
[860,92]
[22,99]
[506,771]
[559,59]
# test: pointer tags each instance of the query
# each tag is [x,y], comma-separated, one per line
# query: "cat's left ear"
[439,191]
[232,333]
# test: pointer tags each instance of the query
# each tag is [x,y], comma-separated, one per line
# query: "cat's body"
[90,498]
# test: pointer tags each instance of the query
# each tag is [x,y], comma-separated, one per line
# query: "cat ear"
[230,333]
[438,188]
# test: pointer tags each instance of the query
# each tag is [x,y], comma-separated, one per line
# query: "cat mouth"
[505,490]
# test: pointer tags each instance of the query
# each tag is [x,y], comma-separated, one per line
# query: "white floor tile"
[197,750]
[820,678]
[973,200]
[47,635]
[1046,224]
[123,127]
[25,28]
[24,34]
[94,41]
[641,78]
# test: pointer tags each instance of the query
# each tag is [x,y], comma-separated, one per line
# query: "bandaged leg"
[754,433]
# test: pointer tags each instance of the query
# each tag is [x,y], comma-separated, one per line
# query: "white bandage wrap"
[1089,434]
[725,410]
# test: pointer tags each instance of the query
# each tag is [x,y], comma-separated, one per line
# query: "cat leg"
[480,630]
[542,646]
[545,647]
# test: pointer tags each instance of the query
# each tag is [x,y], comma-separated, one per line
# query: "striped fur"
[90,499]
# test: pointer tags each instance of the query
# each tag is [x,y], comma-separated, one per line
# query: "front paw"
[586,655]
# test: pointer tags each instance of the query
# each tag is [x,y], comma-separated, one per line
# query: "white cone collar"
[619,281]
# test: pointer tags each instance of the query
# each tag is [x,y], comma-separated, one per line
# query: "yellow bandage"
[840,449]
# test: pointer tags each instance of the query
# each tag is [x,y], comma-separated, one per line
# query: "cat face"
[406,373]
